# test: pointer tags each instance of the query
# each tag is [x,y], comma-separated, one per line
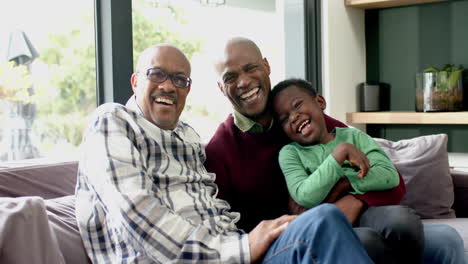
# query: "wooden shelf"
[394,117]
[372,4]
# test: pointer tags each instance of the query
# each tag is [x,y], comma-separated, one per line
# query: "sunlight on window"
[45,102]
[200,31]
[48,75]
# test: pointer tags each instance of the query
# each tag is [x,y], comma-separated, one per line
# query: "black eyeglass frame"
[169,75]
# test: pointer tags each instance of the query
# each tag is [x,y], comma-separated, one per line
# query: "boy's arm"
[388,197]
[382,174]
[351,207]
[308,189]
[340,189]
[392,196]
[348,204]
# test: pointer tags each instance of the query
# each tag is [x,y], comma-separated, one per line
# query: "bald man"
[243,153]
[144,196]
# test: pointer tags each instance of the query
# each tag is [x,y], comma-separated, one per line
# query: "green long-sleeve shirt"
[311,171]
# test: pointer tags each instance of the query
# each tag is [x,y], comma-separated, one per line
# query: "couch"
[439,195]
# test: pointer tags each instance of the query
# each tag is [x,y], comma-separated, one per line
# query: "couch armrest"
[48,181]
[460,185]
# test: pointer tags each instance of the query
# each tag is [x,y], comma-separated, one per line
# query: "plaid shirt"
[144,196]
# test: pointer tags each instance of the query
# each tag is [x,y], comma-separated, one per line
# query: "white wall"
[294,43]
[343,57]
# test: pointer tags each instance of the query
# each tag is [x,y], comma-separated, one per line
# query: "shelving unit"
[372,4]
[399,33]
[395,117]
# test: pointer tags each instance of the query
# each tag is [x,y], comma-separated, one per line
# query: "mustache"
[170,96]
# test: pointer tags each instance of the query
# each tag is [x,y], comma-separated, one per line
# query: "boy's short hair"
[301,83]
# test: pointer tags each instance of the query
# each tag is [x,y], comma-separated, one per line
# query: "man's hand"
[351,207]
[346,151]
[261,237]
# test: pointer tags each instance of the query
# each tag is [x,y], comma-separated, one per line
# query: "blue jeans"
[319,235]
[443,244]
[394,234]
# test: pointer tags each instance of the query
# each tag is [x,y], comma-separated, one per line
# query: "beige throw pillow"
[423,164]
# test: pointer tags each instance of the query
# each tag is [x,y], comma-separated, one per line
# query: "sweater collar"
[246,124]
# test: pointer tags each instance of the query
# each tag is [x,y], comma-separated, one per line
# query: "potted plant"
[439,90]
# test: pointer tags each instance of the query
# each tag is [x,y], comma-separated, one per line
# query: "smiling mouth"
[302,126]
[250,95]
[164,100]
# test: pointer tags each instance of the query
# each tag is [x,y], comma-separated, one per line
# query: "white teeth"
[252,92]
[164,100]
[302,125]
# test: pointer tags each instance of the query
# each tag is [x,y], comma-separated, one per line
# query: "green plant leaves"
[431,69]
[454,77]
[442,81]
[447,77]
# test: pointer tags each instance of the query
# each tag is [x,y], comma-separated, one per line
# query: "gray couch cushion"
[423,164]
[61,214]
[45,180]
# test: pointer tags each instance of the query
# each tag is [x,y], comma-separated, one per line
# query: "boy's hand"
[355,157]
[261,237]
[351,208]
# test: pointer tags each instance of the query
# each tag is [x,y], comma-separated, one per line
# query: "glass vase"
[438,92]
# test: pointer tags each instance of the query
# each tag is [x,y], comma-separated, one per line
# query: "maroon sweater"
[250,179]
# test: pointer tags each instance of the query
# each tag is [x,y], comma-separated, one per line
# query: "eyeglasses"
[158,76]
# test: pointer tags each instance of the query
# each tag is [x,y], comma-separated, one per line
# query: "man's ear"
[267,65]
[134,81]
[321,101]
[221,87]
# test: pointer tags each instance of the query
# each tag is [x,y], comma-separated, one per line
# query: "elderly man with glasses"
[144,196]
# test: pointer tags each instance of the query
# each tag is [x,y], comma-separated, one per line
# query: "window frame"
[114,47]
[114,52]
[313,42]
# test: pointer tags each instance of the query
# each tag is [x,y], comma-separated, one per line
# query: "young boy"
[317,160]
[323,167]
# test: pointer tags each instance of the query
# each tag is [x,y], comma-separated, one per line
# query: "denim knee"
[400,228]
[451,235]
[324,212]
[444,236]
[374,245]
[394,222]
[443,245]
[319,235]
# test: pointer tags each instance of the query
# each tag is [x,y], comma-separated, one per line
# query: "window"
[47,77]
[200,29]
[45,100]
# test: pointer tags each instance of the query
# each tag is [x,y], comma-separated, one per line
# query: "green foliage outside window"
[155,23]
[64,103]
[14,82]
